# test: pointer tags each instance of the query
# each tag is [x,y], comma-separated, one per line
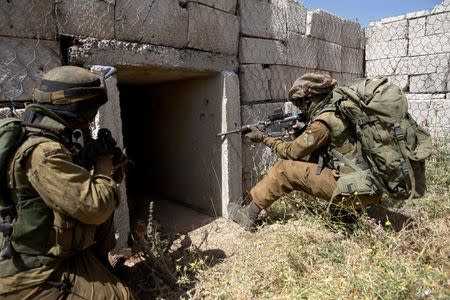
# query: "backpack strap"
[407,169]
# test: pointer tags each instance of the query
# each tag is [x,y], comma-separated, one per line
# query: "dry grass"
[306,255]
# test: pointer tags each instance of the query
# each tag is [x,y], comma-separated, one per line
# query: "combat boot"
[244,215]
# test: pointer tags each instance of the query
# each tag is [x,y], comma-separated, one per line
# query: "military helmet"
[70,84]
[311,84]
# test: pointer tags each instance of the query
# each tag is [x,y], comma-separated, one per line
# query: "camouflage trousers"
[80,277]
[290,175]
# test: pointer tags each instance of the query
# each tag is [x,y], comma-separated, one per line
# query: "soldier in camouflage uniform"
[302,166]
[64,224]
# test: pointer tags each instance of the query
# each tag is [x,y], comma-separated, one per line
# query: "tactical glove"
[255,135]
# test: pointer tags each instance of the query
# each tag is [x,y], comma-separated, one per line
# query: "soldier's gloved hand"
[104,164]
[255,135]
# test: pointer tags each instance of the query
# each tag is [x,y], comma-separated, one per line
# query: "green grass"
[301,253]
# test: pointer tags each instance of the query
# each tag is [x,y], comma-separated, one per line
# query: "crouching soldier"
[305,163]
[63,228]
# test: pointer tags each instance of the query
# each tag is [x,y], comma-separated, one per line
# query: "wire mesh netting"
[411,50]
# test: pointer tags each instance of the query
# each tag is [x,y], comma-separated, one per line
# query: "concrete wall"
[173,136]
[413,50]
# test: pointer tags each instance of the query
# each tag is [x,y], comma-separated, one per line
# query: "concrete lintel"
[118,53]
[231,144]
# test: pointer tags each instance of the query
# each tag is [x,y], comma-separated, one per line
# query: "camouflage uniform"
[306,164]
[64,226]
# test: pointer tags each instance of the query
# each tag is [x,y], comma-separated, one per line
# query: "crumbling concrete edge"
[116,53]
[231,144]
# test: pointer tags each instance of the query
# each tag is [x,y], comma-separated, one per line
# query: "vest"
[40,235]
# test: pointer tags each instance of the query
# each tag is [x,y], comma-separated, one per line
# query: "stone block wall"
[413,50]
[31,32]
[280,41]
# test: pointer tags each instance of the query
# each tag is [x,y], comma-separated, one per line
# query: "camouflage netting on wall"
[413,50]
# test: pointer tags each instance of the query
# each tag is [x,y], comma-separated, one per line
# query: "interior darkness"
[169,131]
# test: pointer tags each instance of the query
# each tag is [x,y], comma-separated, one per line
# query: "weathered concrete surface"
[212,30]
[351,34]
[231,144]
[257,159]
[302,51]
[329,56]
[87,18]
[115,53]
[429,110]
[325,26]
[27,19]
[390,49]
[197,104]
[262,51]
[159,22]
[430,44]
[281,80]
[22,63]
[428,83]
[400,80]
[443,7]
[254,83]
[383,66]
[296,17]
[416,27]
[228,6]
[109,116]
[263,19]
[352,60]
[383,31]
[425,64]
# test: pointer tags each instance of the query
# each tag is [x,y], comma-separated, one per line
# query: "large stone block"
[263,19]
[22,63]
[302,50]
[212,30]
[228,6]
[325,26]
[382,66]
[397,48]
[439,23]
[425,64]
[27,19]
[254,82]
[429,110]
[114,53]
[262,51]
[281,80]
[428,83]
[381,31]
[329,56]
[416,27]
[351,34]
[87,18]
[232,144]
[430,44]
[162,23]
[352,60]
[296,16]
[400,80]
[443,7]
[257,159]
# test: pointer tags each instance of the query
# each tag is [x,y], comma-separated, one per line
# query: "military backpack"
[392,142]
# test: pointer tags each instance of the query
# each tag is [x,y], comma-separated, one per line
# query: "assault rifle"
[277,124]
[103,145]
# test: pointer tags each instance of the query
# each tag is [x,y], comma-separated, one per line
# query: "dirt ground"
[208,247]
